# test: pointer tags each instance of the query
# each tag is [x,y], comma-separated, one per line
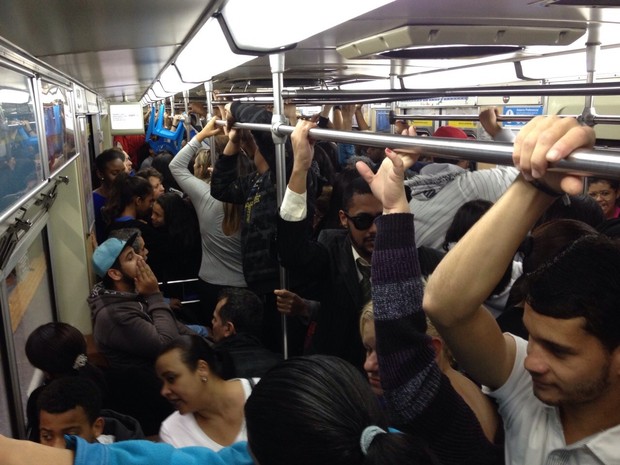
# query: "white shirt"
[183,430]
[534,433]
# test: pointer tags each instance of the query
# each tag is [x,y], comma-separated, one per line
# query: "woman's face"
[127,163]
[158,218]
[371,365]
[112,169]
[605,195]
[181,387]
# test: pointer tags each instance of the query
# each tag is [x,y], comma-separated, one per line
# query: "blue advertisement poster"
[530,110]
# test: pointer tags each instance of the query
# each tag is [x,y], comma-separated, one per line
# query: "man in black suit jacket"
[333,260]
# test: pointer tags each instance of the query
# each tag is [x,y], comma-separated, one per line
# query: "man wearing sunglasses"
[339,262]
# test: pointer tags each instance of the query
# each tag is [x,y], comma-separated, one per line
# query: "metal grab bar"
[603,163]
[596,119]
[303,96]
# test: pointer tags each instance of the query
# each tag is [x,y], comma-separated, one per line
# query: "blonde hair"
[203,159]
[367,315]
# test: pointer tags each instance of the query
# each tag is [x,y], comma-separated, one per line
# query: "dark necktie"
[364,268]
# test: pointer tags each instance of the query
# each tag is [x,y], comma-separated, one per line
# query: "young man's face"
[128,260]
[362,206]
[53,427]
[568,365]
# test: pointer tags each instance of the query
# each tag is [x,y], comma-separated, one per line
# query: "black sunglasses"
[363,221]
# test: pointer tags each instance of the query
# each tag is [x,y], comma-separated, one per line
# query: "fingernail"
[553,155]
[535,173]
[527,176]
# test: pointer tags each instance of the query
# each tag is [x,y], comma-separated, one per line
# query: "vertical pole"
[209,94]
[277,73]
[187,120]
[593,45]
[394,66]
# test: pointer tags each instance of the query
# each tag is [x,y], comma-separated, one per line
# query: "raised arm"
[296,249]
[189,183]
[470,271]
[420,398]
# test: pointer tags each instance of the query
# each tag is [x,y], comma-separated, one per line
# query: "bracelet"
[542,187]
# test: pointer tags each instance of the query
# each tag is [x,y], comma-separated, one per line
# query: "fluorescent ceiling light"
[171,81]
[379,84]
[208,54]
[152,97]
[497,73]
[159,91]
[571,65]
[280,30]
[14,96]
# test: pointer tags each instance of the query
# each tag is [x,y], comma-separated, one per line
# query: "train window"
[20,165]
[59,125]
[30,305]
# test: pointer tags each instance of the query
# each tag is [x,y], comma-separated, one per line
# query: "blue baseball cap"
[108,252]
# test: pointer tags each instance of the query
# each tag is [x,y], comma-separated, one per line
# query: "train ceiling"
[118,47]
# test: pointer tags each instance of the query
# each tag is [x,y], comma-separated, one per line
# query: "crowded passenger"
[606,193]
[209,407]
[443,186]
[220,231]
[339,260]
[72,406]
[482,406]
[131,324]
[558,392]
[237,328]
[129,205]
[175,252]
[108,165]
[257,192]
[59,350]
[155,178]
[307,410]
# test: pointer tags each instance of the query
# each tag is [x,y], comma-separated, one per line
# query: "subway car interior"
[75,74]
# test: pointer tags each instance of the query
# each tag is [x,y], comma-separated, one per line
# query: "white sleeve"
[293,206]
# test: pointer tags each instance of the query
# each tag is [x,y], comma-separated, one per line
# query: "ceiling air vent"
[441,35]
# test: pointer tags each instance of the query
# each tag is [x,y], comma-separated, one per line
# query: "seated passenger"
[209,408]
[131,324]
[307,411]
[73,406]
[58,350]
[237,324]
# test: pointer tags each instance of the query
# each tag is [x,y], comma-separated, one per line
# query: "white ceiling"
[118,47]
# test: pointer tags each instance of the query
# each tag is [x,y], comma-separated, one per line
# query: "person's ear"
[343,219]
[229,329]
[98,426]
[115,274]
[437,346]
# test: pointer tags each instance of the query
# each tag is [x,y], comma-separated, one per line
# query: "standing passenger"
[559,391]
[221,246]
[109,164]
